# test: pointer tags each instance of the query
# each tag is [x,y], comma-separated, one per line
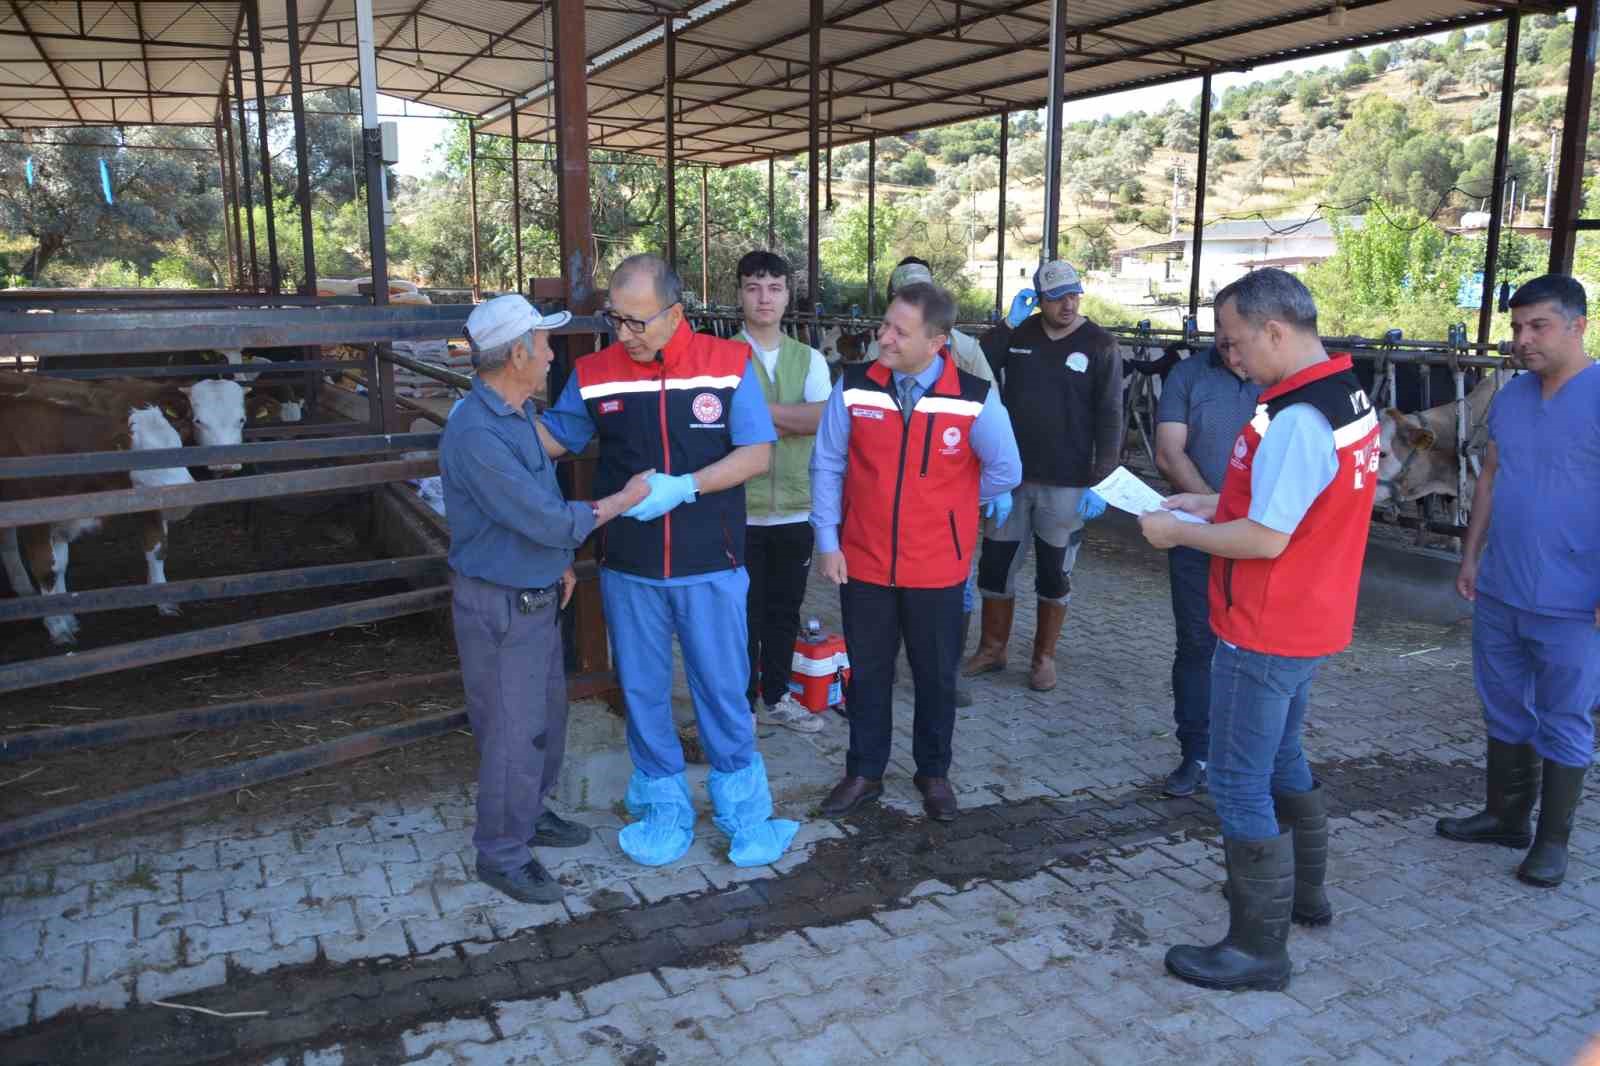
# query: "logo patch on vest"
[1078,361]
[610,407]
[706,407]
[952,437]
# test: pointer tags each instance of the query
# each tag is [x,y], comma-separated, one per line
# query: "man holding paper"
[1287,534]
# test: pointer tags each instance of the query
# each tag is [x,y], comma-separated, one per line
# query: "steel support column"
[1201,168]
[668,106]
[1574,136]
[872,225]
[472,204]
[252,12]
[244,159]
[1052,152]
[228,218]
[827,169]
[372,149]
[572,156]
[772,205]
[516,196]
[302,155]
[1502,152]
[1000,228]
[705,241]
[813,240]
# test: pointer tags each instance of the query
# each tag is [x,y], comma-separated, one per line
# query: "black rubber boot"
[1254,954]
[1546,862]
[1513,783]
[1305,815]
[963,689]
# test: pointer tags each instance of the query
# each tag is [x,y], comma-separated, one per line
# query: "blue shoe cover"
[664,826]
[742,802]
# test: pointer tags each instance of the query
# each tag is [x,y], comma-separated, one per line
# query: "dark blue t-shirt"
[1215,403]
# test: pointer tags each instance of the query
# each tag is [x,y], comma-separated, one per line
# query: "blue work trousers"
[511,669]
[1538,677]
[708,618]
[1189,573]
[1258,704]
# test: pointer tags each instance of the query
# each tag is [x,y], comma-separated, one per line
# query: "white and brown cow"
[43,416]
[1420,450]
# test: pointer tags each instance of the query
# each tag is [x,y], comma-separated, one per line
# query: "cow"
[285,405]
[39,416]
[1419,453]
[839,347]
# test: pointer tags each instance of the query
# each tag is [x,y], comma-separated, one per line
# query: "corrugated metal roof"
[889,66]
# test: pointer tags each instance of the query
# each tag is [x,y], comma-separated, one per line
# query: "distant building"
[1229,250]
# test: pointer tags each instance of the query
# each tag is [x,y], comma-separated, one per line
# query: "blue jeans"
[1258,704]
[1189,573]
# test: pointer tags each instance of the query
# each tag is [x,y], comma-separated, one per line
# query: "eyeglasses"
[634,325]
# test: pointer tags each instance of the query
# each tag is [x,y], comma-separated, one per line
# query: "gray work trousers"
[512,669]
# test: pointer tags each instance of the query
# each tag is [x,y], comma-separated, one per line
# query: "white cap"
[1056,279]
[506,318]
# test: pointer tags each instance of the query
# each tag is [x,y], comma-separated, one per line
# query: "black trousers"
[876,619]
[778,559]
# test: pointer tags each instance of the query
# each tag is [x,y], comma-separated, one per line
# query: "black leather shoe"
[851,793]
[938,798]
[1546,863]
[554,831]
[529,884]
[1254,954]
[1186,780]
[1512,784]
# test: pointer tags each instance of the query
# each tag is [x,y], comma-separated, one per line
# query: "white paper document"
[1125,491]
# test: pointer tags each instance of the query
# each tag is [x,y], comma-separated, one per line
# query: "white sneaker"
[791,714]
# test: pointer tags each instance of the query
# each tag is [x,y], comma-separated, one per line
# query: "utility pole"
[1550,180]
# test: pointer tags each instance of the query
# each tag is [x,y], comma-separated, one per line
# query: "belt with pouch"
[530,600]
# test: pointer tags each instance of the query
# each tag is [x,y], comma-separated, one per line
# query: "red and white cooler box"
[819,671]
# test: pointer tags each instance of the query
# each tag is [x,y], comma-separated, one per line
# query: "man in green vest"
[778,503]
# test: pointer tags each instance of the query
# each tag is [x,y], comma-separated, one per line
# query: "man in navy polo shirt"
[1530,563]
[1204,403]
[511,543]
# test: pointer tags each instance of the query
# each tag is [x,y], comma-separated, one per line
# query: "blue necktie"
[907,397]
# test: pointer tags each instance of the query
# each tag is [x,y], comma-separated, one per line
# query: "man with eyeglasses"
[690,407]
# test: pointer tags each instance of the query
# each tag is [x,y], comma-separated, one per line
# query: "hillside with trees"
[1401,134]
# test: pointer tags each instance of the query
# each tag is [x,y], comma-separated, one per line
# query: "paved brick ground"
[1031,931]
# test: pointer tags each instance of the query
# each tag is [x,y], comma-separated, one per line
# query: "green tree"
[162,202]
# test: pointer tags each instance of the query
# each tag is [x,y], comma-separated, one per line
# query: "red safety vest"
[911,490]
[673,415]
[1303,603]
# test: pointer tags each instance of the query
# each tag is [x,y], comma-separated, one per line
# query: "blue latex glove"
[666,492]
[1022,305]
[998,509]
[1090,505]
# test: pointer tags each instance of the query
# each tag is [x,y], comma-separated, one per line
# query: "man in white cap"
[1061,380]
[512,536]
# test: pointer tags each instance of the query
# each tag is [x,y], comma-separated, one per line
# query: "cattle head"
[149,429]
[264,407]
[216,410]
[1410,464]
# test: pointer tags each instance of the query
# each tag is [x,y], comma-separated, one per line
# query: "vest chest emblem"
[706,407]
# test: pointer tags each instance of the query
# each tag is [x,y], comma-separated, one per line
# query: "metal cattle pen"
[367,455]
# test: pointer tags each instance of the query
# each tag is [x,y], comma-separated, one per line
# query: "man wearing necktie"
[908,446]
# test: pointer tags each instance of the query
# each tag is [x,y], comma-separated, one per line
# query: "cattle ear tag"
[247,389]
[170,411]
[1423,439]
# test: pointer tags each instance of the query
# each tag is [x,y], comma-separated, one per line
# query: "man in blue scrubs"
[1531,566]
